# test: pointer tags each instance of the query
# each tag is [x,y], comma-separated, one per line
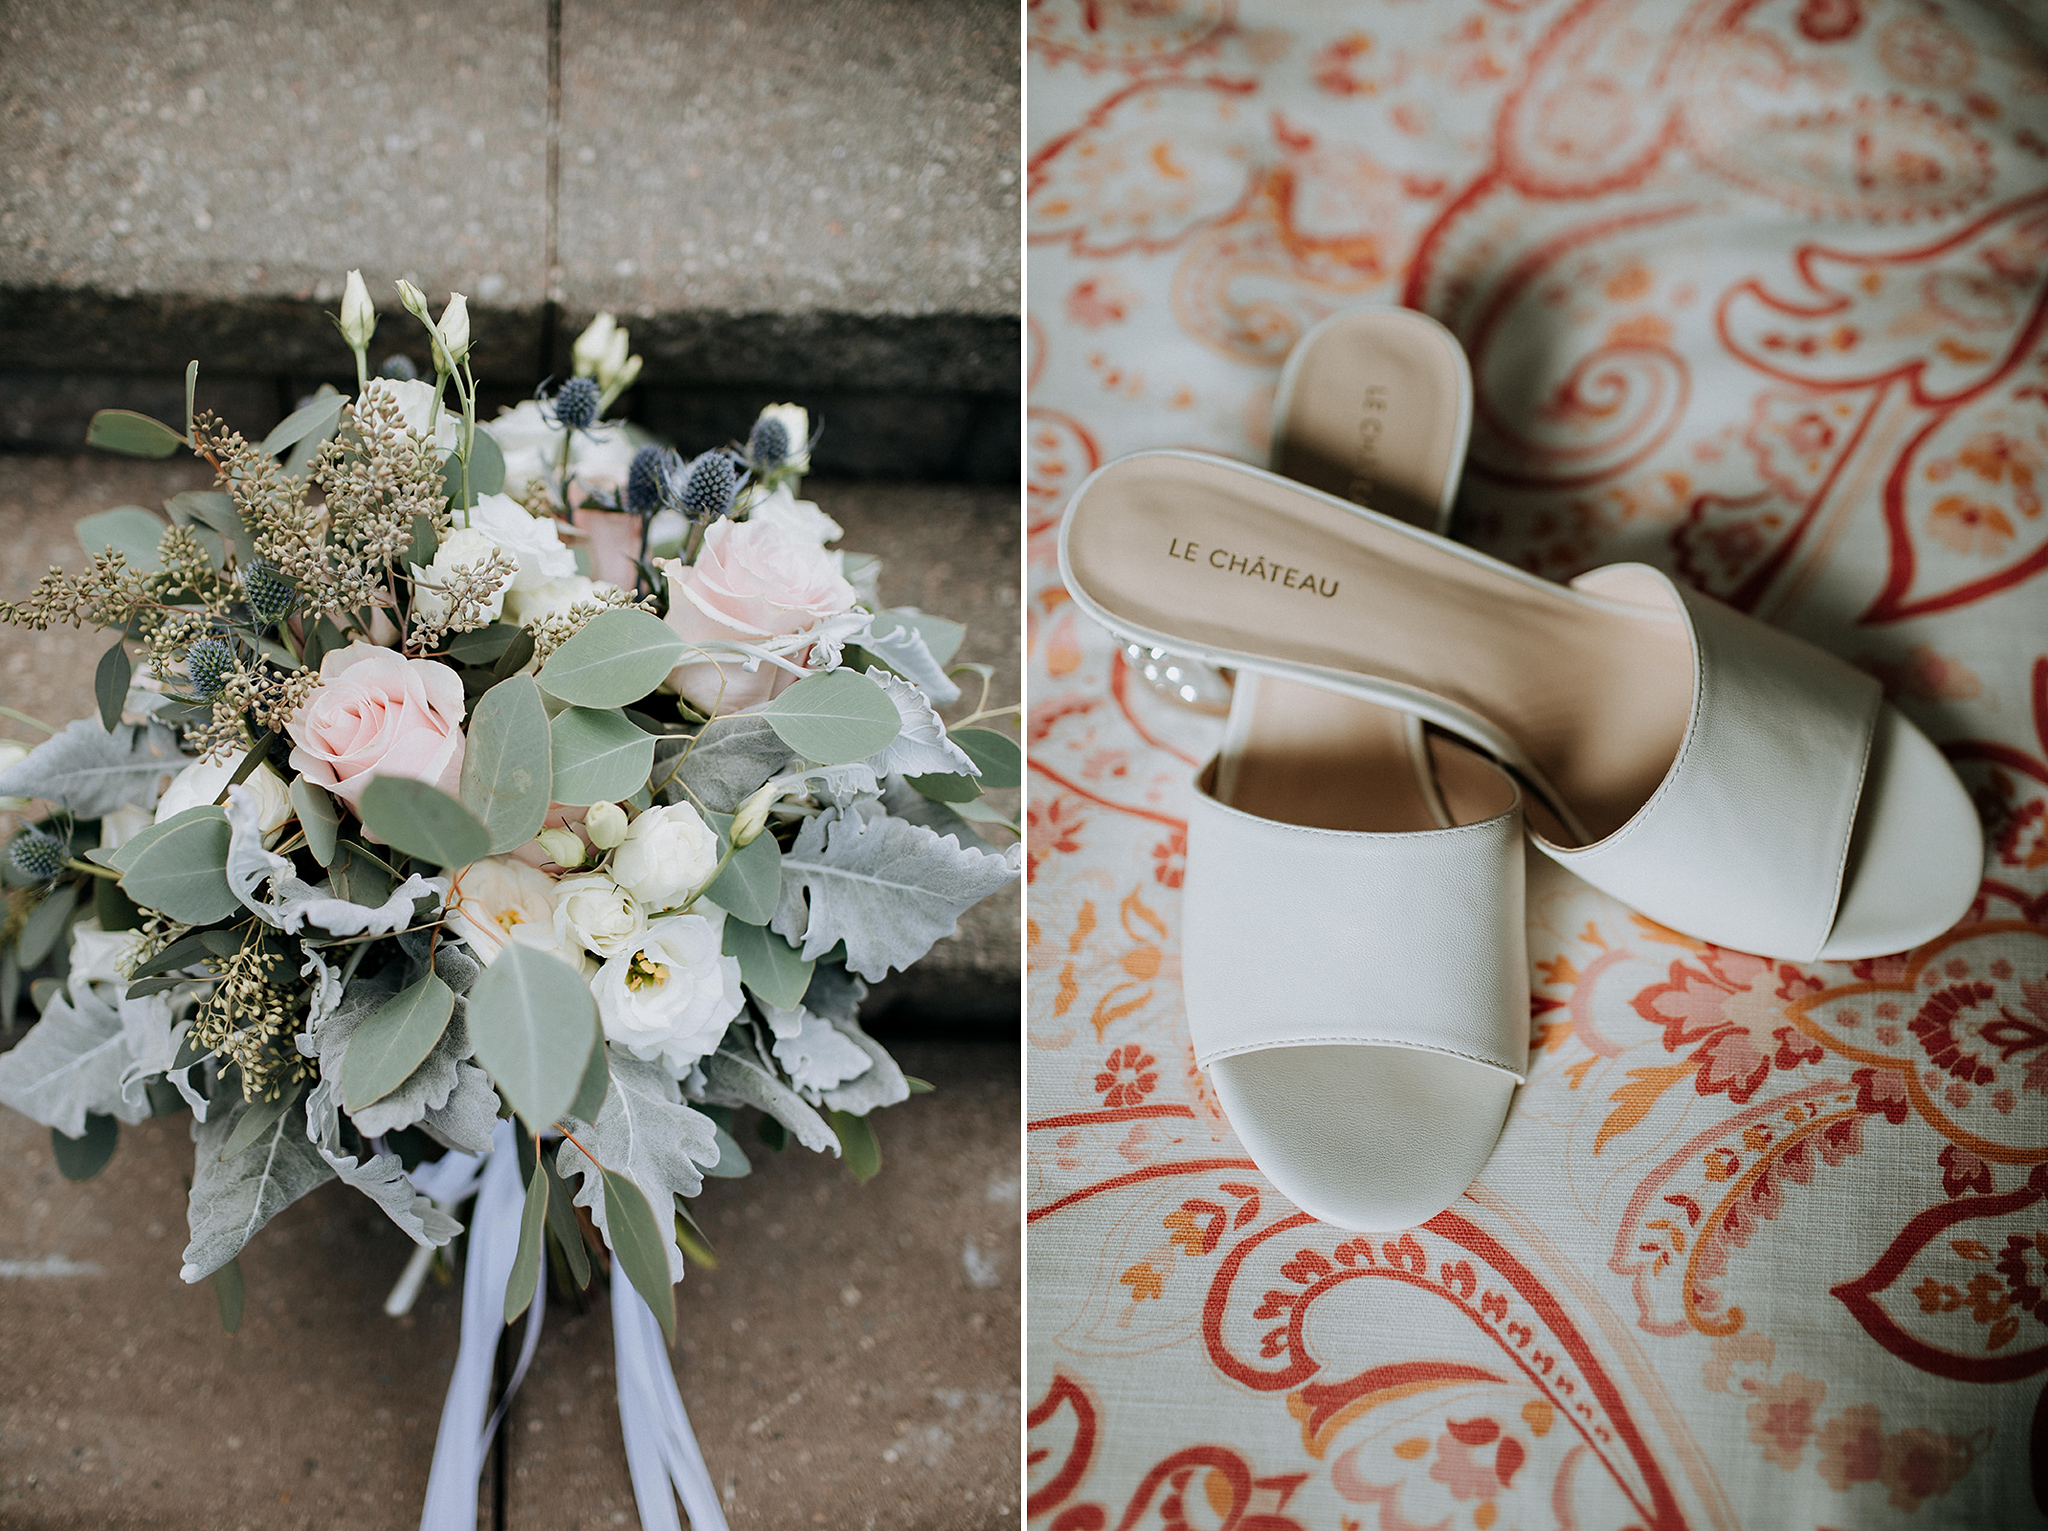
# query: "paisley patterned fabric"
[1754,292]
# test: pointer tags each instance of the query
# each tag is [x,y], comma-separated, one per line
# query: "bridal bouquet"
[517,789]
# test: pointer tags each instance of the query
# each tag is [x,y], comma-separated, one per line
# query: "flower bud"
[563,846]
[752,817]
[613,362]
[358,314]
[623,375]
[588,353]
[451,335]
[605,823]
[414,301]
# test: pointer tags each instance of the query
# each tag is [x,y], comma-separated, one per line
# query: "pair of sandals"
[1405,709]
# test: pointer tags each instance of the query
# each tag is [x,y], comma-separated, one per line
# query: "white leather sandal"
[1727,779]
[1354,970]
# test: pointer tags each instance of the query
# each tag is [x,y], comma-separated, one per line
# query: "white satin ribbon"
[465,1438]
[660,1449]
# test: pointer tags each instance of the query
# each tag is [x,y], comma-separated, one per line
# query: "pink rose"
[753,580]
[613,538]
[378,713]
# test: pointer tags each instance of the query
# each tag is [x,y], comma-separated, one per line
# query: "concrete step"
[777,196]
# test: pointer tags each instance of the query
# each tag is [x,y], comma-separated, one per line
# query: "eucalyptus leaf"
[395,1040]
[597,1082]
[1000,758]
[421,820]
[318,817]
[562,1222]
[128,530]
[216,512]
[228,1295]
[261,1116]
[521,1285]
[486,464]
[132,435]
[507,775]
[750,887]
[182,872]
[110,684]
[533,1023]
[599,757]
[44,926]
[858,1149]
[775,972]
[639,1239]
[618,657]
[305,421]
[481,645]
[946,789]
[81,1158]
[835,718]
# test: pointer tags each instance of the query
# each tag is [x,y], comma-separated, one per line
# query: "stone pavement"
[778,196]
[851,1362]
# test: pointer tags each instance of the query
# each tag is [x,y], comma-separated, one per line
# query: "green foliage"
[533,1023]
[423,821]
[857,1145]
[770,967]
[128,530]
[835,718]
[998,756]
[394,1040]
[80,1159]
[132,435]
[182,870]
[641,1247]
[750,887]
[318,817]
[507,774]
[618,657]
[110,684]
[599,757]
[525,1278]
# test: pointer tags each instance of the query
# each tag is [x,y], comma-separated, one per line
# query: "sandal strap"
[1749,831]
[1296,937]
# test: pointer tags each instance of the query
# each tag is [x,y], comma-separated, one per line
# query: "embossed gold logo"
[1252,566]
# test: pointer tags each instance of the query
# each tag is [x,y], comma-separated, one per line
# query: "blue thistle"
[209,662]
[768,446]
[651,482]
[710,485]
[270,595]
[573,406]
[37,856]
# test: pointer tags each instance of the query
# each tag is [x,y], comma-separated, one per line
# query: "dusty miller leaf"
[730,1080]
[921,748]
[731,758]
[382,1179]
[886,887]
[70,1064]
[231,1200]
[92,772]
[646,1133]
[293,903]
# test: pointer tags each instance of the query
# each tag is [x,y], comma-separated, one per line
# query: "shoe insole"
[1594,693]
[1374,407]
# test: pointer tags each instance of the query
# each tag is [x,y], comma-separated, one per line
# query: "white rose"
[550,598]
[202,781]
[499,900]
[415,401]
[671,995]
[533,542]
[800,517]
[465,547]
[668,856]
[594,912]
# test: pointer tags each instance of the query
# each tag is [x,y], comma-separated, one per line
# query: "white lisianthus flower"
[100,959]
[464,547]
[797,421]
[202,781]
[500,900]
[670,996]
[451,334]
[599,458]
[592,346]
[358,313]
[668,856]
[800,517]
[122,825]
[11,751]
[551,598]
[533,542]
[415,401]
[597,914]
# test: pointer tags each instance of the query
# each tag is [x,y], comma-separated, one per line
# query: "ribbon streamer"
[660,1448]
[465,1439]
